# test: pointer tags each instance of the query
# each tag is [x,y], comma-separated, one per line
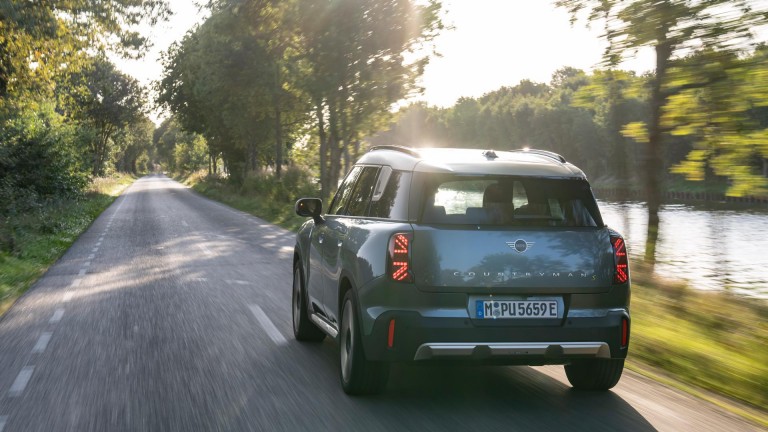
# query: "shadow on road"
[444,397]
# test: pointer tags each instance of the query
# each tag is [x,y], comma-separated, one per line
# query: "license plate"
[494,309]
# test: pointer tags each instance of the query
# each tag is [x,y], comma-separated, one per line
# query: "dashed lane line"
[76,283]
[267,325]
[57,314]
[87,264]
[22,379]
[91,256]
[42,343]
[81,272]
[67,296]
[237,282]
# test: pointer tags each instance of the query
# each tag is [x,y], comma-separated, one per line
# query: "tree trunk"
[325,184]
[653,158]
[278,123]
[333,143]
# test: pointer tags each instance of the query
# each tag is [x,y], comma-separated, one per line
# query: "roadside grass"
[710,344]
[262,196]
[707,341]
[42,236]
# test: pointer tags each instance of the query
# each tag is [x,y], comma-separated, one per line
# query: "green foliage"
[730,140]
[36,159]
[42,39]
[527,115]
[181,151]
[254,74]
[42,234]
[711,340]
[106,101]
[133,147]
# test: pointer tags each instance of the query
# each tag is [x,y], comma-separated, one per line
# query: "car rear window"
[507,200]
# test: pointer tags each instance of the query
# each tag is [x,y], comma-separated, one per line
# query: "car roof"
[522,162]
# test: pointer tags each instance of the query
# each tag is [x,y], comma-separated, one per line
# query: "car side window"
[392,201]
[361,195]
[345,190]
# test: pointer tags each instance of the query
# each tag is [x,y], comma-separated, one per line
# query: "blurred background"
[663,104]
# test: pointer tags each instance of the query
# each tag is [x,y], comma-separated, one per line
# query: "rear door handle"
[339,243]
[320,239]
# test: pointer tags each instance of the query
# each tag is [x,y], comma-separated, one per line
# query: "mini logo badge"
[520,245]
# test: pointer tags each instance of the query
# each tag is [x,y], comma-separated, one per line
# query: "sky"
[493,43]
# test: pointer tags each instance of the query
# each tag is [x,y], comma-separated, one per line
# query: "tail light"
[399,265]
[621,271]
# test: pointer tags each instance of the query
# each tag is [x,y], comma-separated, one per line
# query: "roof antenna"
[490,154]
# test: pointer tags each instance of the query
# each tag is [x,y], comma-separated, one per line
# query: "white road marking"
[184,223]
[81,272]
[67,296]
[91,256]
[98,244]
[267,325]
[200,279]
[237,282]
[205,250]
[94,250]
[101,239]
[18,386]
[3,420]
[57,314]
[87,264]
[76,283]
[42,343]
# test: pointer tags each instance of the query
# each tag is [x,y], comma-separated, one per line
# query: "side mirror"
[310,207]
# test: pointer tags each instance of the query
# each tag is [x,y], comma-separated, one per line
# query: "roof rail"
[546,153]
[402,149]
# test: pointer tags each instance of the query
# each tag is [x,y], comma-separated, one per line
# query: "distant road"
[172,313]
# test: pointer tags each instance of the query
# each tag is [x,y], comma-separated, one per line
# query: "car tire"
[594,374]
[359,376]
[303,328]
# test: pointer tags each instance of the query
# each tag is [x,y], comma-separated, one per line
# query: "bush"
[38,159]
[39,164]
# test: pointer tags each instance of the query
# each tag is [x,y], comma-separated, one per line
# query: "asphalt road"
[172,313]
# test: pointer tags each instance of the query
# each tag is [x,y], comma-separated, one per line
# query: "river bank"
[615,194]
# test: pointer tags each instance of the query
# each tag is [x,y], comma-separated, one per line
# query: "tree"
[613,97]
[40,39]
[356,68]
[255,71]
[671,28]
[108,101]
[133,146]
[229,80]
[723,118]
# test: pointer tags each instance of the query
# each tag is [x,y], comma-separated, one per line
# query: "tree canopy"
[262,72]
[674,29]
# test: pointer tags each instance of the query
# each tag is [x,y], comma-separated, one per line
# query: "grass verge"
[42,236]
[711,345]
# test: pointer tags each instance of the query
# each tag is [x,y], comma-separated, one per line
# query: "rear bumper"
[418,338]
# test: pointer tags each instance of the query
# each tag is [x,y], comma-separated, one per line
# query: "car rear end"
[500,269]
